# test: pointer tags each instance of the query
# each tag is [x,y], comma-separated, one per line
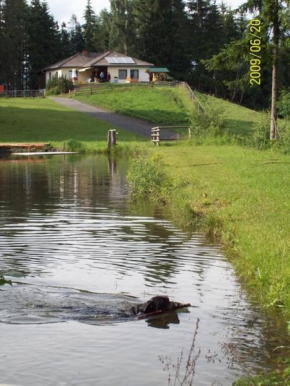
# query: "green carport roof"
[158,69]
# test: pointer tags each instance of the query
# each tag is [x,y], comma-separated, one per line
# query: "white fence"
[23,94]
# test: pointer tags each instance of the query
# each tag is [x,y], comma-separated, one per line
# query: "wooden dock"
[11,147]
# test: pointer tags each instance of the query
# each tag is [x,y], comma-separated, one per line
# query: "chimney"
[85,53]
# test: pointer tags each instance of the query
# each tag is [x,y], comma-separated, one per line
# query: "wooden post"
[112,139]
[189,132]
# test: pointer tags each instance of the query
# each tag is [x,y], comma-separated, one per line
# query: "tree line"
[200,42]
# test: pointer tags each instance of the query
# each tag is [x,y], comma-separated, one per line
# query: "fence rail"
[156,138]
[92,88]
[23,94]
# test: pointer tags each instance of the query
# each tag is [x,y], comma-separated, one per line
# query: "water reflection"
[73,207]
[73,246]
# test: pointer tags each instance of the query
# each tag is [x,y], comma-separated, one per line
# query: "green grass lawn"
[43,120]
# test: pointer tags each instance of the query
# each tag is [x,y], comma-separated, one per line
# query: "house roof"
[158,69]
[92,59]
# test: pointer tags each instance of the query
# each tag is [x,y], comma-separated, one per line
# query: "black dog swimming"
[156,305]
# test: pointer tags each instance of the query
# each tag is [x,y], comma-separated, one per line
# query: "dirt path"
[136,126]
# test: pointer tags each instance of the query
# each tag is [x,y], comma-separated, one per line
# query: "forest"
[201,42]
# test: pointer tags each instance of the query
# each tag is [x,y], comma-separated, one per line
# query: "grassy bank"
[159,105]
[42,120]
[169,106]
[239,194]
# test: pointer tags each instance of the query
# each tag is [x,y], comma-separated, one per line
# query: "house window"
[122,74]
[49,76]
[56,74]
[134,74]
[73,72]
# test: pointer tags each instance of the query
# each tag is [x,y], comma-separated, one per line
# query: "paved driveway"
[136,126]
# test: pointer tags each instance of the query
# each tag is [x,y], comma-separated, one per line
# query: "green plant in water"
[4,281]
[184,370]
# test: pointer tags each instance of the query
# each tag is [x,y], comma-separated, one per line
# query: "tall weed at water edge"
[280,377]
[147,178]
[74,145]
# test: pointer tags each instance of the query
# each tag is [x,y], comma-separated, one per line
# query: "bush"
[283,104]
[59,85]
[146,177]
[207,122]
[284,133]
[74,145]
[261,135]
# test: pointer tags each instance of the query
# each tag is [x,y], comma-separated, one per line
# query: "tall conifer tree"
[161,29]
[13,47]
[104,22]
[65,42]
[76,35]
[122,27]
[90,29]
[44,40]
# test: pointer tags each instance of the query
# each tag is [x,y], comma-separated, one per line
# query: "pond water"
[77,252]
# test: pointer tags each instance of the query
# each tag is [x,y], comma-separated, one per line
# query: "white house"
[95,67]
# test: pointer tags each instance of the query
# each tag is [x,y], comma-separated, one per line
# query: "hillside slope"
[168,106]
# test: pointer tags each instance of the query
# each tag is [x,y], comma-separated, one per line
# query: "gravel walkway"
[136,126]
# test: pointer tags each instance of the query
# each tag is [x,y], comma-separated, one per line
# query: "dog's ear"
[150,306]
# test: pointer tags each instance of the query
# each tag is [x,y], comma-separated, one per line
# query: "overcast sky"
[63,9]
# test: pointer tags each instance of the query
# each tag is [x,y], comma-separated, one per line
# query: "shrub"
[207,122]
[261,134]
[284,133]
[74,145]
[59,85]
[146,177]
[283,104]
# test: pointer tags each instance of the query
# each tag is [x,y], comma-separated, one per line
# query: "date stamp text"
[255,48]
